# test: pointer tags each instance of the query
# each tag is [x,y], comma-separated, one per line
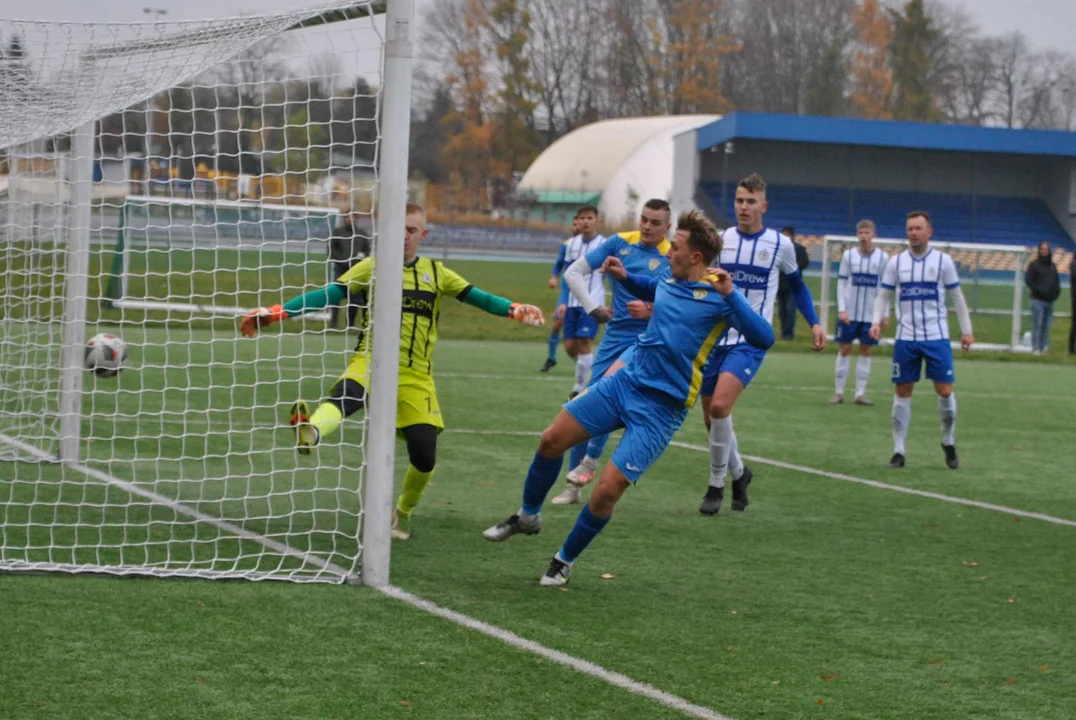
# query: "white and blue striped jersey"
[920,284]
[858,279]
[576,248]
[756,263]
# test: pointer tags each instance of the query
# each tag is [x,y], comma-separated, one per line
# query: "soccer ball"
[105,355]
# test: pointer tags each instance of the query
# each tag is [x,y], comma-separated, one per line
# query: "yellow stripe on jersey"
[635,238]
[700,361]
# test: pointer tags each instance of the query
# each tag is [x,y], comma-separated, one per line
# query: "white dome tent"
[615,164]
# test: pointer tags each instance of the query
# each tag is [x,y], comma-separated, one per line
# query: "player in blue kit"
[642,253]
[693,306]
[556,280]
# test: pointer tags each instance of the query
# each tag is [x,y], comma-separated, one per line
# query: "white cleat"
[515,525]
[583,473]
[570,496]
[557,575]
[401,526]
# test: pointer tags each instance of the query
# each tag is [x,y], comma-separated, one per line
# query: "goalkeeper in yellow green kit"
[418,415]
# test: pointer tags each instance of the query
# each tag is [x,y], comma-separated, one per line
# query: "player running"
[858,278]
[643,253]
[920,276]
[418,414]
[556,278]
[650,395]
[755,257]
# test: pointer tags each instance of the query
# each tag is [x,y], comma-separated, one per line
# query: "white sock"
[842,372]
[863,374]
[947,413]
[902,416]
[735,461]
[720,444]
[582,371]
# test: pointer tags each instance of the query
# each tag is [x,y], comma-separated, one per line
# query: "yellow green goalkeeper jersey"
[425,282]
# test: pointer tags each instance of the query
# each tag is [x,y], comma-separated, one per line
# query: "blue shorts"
[609,351]
[847,333]
[649,420]
[741,360]
[908,357]
[577,324]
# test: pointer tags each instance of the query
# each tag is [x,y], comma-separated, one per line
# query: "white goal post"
[997,268]
[157,180]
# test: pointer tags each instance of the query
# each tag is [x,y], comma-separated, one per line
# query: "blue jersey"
[688,320]
[638,259]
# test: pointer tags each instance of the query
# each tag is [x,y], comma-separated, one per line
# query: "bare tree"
[1014,60]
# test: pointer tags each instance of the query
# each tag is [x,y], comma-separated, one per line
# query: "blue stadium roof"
[885,133]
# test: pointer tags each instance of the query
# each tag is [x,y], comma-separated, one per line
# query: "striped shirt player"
[556,280]
[579,327]
[756,257]
[858,280]
[920,277]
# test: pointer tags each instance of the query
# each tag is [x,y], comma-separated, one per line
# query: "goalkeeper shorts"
[416,398]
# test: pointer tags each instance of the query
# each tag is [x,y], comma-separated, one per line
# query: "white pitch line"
[583,666]
[833,476]
[306,558]
[895,488]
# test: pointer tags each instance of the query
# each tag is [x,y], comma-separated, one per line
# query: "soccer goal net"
[992,278]
[158,180]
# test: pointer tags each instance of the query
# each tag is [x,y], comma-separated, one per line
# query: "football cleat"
[573,395]
[897,461]
[514,525]
[548,365]
[401,525]
[739,490]
[583,473]
[306,436]
[837,399]
[864,400]
[558,573]
[950,456]
[711,501]
[570,495]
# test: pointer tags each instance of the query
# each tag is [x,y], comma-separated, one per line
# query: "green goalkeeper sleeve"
[482,300]
[315,300]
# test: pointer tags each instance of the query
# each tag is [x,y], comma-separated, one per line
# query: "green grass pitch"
[826,598]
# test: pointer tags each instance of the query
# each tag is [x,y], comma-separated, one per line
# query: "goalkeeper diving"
[418,414]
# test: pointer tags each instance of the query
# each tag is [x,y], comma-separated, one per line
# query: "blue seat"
[959,218]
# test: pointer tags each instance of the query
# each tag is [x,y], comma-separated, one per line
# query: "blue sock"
[587,527]
[540,478]
[554,341]
[596,446]
[576,456]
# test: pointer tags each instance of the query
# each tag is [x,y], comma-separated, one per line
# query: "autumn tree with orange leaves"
[872,79]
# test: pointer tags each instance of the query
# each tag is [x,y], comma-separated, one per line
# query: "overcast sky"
[1047,23]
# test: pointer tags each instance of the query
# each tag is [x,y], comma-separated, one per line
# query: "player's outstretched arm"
[258,318]
[502,307]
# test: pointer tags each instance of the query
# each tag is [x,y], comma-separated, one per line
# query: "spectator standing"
[1042,280]
[347,246]
[786,303]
